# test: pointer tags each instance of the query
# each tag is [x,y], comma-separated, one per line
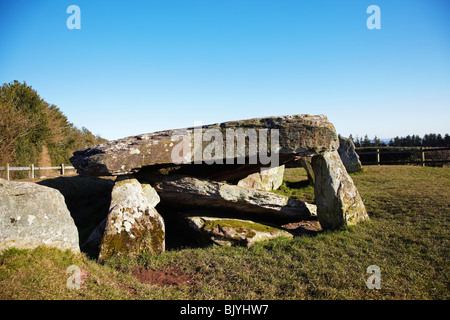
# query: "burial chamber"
[230,151]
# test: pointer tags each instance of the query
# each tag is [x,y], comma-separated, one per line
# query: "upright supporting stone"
[306,164]
[133,225]
[349,157]
[338,201]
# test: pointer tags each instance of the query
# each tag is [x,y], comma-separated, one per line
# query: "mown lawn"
[407,238]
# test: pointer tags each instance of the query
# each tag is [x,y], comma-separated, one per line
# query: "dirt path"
[44,161]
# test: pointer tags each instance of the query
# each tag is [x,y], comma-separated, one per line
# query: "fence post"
[7,171]
[378,156]
[422,157]
[31,175]
[62,169]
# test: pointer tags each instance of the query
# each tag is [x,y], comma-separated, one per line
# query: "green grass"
[296,185]
[407,237]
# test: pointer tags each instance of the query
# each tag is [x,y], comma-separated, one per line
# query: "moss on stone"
[137,241]
[238,225]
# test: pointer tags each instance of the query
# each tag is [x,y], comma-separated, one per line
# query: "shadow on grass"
[298,184]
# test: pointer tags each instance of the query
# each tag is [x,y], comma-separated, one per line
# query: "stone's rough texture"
[231,232]
[348,155]
[133,225]
[32,215]
[150,194]
[299,135]
[189,192]
[269,179]
[306,164]
[337,199]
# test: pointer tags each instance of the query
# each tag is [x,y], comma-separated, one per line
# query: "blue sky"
[144,66]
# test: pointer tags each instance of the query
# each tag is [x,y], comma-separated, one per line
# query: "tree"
[376,141]
[351,138]
[27,123]
[366,142]
[439,140]
[14,125]
[29,107]
[417,141]
[356,142]
[428,140]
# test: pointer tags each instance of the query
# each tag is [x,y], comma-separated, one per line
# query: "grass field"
[407,238]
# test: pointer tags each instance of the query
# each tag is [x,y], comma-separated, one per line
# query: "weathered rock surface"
[306,164]
[299,135]
[337,199]
[32,215]
[189,192]
[133,225]
[266,180]
[234,232]
[348,155]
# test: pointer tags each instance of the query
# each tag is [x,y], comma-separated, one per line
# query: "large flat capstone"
[298,135]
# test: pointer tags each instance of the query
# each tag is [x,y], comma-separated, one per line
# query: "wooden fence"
[32,169]
[420,155]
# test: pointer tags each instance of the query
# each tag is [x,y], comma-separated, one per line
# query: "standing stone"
[32,215]
[266,180]
[337,199]
[306,164]
[348,155]
[133,225]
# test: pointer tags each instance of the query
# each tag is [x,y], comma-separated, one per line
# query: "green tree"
[29,104]
[27,123]
[366,142]
[447,140]
[376,141]
[14,125]
[351,138]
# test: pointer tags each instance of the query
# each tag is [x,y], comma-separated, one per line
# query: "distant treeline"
[428,140]
[32,129]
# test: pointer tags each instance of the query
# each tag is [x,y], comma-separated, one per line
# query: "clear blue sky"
[143,66]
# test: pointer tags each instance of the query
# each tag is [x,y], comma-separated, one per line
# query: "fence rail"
[32,169]
[420,152]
